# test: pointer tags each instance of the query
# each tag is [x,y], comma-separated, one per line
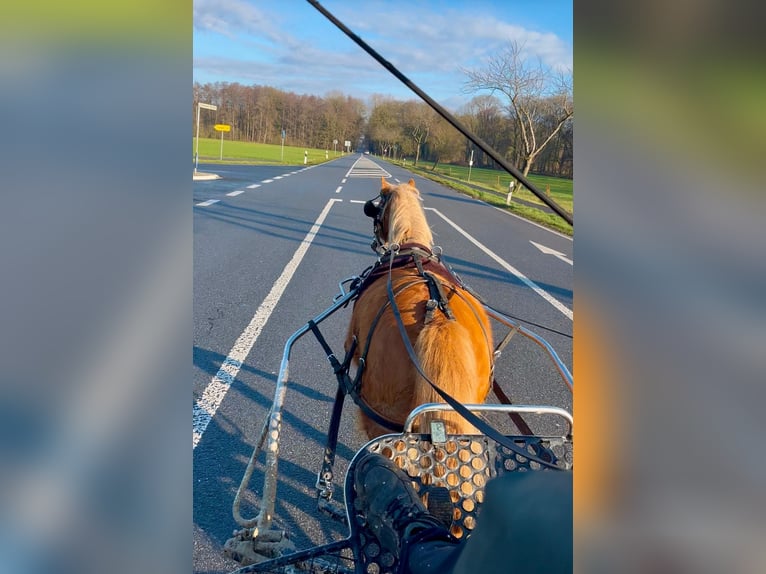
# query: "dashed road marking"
[254,186]
[339,188]
[267,181]
[236,193]
[208,202]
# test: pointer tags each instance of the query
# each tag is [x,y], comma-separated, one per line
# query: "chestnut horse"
[453,348]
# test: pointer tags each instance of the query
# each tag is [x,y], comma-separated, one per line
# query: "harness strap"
[348,387]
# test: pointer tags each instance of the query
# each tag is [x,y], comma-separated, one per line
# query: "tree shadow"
[465,268]
[456,197]
[327,236]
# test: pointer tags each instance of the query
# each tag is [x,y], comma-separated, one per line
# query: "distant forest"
[382,126]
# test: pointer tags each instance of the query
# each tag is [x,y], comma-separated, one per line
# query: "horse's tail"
[447,356]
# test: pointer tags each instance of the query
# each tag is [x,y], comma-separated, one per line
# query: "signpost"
[348,145]
[196,143]
[222,128]
[334,147]
[282,151]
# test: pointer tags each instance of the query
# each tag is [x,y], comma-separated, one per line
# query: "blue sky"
[289,45]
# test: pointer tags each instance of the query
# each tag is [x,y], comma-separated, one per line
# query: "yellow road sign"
[222,127]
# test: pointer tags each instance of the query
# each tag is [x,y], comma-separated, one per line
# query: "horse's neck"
[413,229]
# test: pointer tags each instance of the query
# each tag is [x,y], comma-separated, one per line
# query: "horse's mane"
[407,220]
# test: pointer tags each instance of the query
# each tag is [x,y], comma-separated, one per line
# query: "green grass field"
[494,186]
[496,180]
[256,153]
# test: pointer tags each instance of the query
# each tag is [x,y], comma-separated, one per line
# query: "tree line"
[531,122]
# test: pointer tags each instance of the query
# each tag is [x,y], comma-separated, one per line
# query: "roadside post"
[196,143]
[305,157]
[510,192]
[222,128]
[470,165]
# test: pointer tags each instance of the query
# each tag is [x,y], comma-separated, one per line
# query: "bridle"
[377,211]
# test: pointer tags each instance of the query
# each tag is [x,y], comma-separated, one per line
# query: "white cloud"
[235,17]
[450,40]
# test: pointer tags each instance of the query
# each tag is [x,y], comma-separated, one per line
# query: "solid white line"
[235,193]
[267,181]
[339,188]
[501,210]
[207,405]
[508,267]
[208,202]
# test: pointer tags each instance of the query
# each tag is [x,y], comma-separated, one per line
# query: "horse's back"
[455,354]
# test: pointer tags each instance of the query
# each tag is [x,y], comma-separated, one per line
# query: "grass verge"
[256,153]
[550,220]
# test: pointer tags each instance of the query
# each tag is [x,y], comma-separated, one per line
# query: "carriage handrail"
[508,322]
[271,429]
[483,407]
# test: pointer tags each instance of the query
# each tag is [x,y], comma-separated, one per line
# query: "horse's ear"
[385,187]
[411,183]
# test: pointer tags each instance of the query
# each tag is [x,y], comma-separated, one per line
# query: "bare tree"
[417,120]
[539,99]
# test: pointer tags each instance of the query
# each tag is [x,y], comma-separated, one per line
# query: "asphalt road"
[244,242]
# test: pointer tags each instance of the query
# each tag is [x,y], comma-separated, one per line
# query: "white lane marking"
[527,220]
[235,193]
[286,175]
[208,202]
[339,188]
[549,251]
[508,267]
[396,179]
[267,181]
[278,177]
[357,201]
[206,406]
[254,186]
[343,180]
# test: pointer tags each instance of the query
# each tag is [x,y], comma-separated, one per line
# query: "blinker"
[370,209]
